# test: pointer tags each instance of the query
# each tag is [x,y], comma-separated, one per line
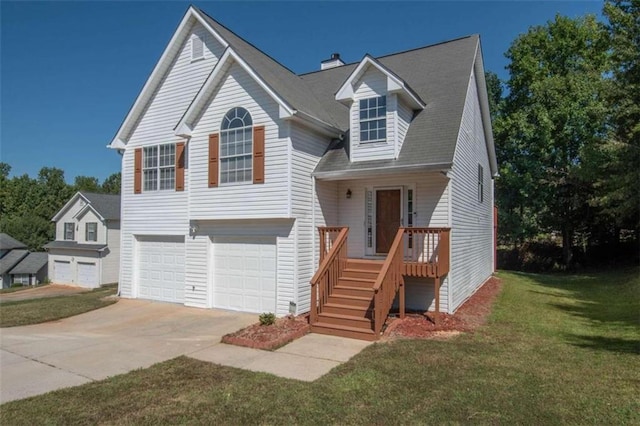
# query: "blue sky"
[69,71]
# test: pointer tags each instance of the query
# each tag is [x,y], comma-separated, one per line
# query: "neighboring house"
[12,252]
[31,270]
[86,251]
[231,164]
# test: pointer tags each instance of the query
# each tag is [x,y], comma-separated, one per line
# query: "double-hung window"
[236,147]
[159,167]
[91,231]
[69,231]
[373,119]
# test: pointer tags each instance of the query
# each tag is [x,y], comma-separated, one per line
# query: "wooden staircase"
[349,308]
[353,297]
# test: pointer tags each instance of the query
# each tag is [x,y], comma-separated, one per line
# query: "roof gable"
[394,83]
[107,206]
[7,242]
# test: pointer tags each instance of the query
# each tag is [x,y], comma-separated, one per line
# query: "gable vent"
[197,47]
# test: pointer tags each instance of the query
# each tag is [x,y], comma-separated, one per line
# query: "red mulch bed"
[472,314]
[269,337]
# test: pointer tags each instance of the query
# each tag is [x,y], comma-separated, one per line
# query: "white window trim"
[221,157]
[386,120]
[95,231]
[73,231]
[158,168]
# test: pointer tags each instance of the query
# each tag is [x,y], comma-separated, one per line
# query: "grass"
[19,288]
[557,349]
[35,311]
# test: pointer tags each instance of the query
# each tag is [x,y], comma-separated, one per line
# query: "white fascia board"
[121,137]
[394,84]
[316,124]
[88,206]
[483,96]
[186,124]
[67,205]
[373,172]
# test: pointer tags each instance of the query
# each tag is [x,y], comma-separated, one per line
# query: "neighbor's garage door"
[62,272]
[161,268]
[244,271]
[87,274]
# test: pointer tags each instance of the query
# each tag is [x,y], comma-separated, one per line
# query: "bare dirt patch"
[472,314]
[269,337]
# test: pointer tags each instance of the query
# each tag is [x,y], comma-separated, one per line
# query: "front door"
[388,217]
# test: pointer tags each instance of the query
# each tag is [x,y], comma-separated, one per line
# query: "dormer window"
[69,231]
[197,47]
[373,119]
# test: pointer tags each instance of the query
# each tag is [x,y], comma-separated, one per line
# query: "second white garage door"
[87,274]
[244,274]
[161,268]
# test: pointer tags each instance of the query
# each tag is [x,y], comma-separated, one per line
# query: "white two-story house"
[345,192]
[86,251]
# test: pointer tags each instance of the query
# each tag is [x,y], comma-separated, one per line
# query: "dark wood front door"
[387,218]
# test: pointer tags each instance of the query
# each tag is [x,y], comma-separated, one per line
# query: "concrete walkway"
[134,334]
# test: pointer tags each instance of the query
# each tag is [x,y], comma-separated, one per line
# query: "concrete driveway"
[128,335]
[50,290]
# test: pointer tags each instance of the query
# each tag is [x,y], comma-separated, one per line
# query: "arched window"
[236,146]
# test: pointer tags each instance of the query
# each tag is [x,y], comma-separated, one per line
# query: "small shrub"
[267,318]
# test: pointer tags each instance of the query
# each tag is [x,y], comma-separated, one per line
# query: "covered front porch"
[393,229]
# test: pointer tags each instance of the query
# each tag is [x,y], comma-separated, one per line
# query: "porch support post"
[437,289]
[402,308]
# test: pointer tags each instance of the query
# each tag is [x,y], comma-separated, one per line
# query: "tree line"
[28,204]
[566,124]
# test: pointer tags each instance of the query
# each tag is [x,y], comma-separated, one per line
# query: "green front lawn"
[557,349]
[35,311]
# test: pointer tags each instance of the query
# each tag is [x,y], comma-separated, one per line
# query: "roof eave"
[378,171]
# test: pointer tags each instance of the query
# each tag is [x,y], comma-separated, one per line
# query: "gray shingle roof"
[107,205]
[31,264]
[282,80]
[440,76]
[72,245]
[7,242]
[11,259]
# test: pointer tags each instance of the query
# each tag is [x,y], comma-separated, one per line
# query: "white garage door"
[62,272]
[244,274]
[161,268]
[87,274]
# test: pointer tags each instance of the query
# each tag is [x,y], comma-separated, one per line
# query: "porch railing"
[388,283]
[426,251]
[328,235]
[334,260]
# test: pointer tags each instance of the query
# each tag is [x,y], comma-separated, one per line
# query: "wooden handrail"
[328,234]
[427,251]
[327,275]
[388,282]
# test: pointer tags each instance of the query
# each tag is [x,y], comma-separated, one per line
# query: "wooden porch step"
[360,273]
[356,282]
[347,290]
[365,264]
[344,331]
[354,301]
[348,309]
[346,320]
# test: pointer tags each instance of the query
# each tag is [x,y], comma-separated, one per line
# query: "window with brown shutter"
[258,154]
[180,166]
[137,171]
[214,140]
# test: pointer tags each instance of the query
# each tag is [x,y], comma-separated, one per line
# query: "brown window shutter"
[214,144]
[137,171]
[258,154]
[180,166]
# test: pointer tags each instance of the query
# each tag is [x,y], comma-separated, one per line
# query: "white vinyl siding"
[373,83]
[308,148]
[268,200]
[162,212]
[472,222]
[197,47]
[405,115]
[111,256]
[431,206]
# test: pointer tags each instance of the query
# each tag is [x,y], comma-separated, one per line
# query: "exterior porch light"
[348,193]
